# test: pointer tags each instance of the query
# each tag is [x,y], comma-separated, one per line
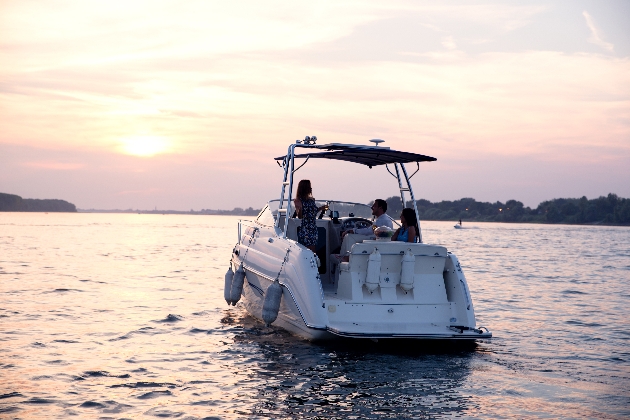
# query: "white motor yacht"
[386,289]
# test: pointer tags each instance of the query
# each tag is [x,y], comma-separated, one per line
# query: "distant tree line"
[11,202]
[609,210]
[237,211]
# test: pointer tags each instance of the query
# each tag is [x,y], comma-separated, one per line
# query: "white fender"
[227,288]
[271,305]
[407,271]
[373,270]
[237,285]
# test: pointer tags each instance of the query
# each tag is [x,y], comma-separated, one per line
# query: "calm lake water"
[122,316]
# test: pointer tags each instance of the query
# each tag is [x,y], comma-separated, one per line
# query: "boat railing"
[345,208]
[241,222]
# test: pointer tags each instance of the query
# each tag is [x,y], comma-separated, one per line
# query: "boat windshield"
[345,209]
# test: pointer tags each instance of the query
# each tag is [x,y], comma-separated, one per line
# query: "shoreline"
[230,213]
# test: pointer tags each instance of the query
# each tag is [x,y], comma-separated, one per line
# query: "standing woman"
[409,229]
[307,211]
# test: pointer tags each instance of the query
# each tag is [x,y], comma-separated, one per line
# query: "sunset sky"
[184,104]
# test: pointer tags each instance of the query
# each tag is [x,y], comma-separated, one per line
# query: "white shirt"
[382,220]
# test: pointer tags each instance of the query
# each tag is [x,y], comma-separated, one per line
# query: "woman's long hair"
[304,190]
[410,218]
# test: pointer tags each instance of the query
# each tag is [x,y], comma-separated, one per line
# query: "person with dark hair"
[353,236]
[409,229]
[306,210]
[379,209]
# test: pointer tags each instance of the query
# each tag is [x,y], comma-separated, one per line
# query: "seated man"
[353,236]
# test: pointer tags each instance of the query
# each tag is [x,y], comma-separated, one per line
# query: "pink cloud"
[145,192]
[57,166]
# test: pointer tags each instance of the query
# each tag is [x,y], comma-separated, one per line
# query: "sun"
[144,146]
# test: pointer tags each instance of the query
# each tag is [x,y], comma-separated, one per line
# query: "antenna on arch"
[307,140]
[377,141]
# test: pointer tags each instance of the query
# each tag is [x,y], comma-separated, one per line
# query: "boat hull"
[437,307]
[290,319]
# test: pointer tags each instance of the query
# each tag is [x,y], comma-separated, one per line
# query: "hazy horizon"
[161,104]
[219,208]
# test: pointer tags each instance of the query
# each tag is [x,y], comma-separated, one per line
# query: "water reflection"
[353,378]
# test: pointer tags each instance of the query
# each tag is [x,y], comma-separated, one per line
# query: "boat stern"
[394,290]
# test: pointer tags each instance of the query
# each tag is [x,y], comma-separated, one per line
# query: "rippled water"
[122,316]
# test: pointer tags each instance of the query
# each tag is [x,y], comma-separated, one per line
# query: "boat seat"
[395,247]
[333,239]
[292,229]
[328,241]
[428,270]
